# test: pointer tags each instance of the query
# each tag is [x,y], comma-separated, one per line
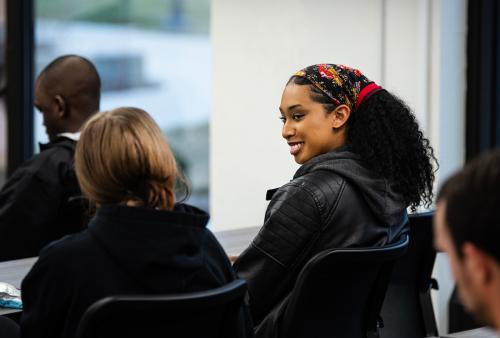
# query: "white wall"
[447,119]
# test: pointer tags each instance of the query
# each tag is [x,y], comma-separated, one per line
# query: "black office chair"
[212,313]
[339,293]
[407,311]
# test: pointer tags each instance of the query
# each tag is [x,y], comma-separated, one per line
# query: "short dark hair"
[86,87]
[60,59]
[472,198]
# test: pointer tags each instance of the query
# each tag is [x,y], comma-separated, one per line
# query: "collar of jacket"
[58,141]
[318,159]
[339,153]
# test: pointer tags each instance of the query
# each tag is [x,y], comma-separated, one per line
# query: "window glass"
[151,54]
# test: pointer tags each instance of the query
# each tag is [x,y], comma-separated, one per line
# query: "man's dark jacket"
[40,202]
[333,201]
[125,250]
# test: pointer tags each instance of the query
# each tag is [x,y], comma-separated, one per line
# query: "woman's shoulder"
[314,193]
[318,184]
[318,178]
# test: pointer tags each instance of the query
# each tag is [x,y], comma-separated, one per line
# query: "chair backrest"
[339,293]
[212,313]
[407,310]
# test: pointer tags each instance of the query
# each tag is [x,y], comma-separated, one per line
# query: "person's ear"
[478,263]
[339,116]
[60,105]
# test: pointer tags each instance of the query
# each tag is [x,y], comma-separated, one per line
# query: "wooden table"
[233,242]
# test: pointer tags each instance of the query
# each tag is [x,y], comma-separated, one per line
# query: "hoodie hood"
[382,199]
[150,245]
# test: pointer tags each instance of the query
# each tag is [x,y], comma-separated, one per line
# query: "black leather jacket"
[332,202]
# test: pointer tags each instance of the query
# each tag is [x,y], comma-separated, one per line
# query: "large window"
[152,54]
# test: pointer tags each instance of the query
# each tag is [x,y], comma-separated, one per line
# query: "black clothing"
[125,250]
[459,319]
[8,328]
[40,202]
[332,202]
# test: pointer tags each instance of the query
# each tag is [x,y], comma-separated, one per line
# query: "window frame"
[19,56]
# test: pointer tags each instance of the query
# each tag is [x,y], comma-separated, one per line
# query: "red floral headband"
[344,85]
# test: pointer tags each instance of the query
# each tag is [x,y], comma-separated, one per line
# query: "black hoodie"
[125,250]
[333,201]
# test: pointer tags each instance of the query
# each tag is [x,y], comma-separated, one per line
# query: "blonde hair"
[122,157]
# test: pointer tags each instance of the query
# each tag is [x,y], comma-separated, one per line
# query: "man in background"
[41,201]
[467,228]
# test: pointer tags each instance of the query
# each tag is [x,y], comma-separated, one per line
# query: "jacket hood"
[149,245]
[382,199]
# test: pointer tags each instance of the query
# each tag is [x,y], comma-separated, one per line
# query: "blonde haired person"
[139,242]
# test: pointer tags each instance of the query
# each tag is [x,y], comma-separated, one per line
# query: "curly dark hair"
[385,133]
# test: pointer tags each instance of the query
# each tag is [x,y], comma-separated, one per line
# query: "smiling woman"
[307,128]
[364,161]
